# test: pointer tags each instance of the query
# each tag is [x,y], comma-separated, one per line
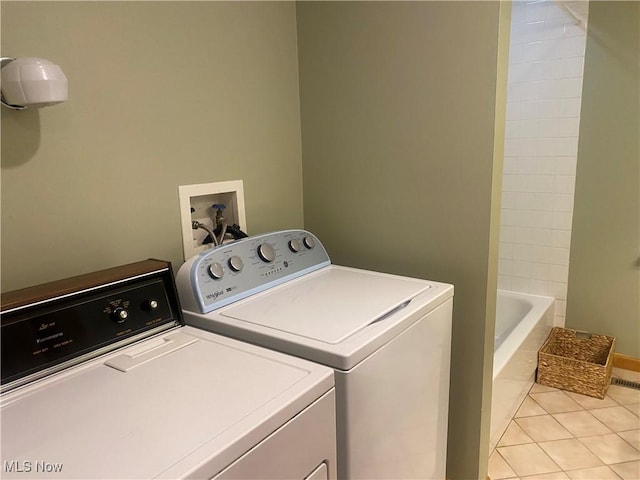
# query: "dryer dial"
[119,315]
[150,305]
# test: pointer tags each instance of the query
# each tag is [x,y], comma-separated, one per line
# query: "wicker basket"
[576,361]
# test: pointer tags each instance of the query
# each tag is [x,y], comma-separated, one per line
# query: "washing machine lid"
[191,411]
[330,305]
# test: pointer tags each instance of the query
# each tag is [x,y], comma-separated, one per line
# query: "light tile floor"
[563,435]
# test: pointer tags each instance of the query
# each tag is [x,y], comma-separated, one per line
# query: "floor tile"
[632,437]
[555,402]
[543,428]
[548,476]
[514,435]
[528,459]
[570,454]
[586,401]
[624,395]
[498,468]
[538,388]
[530,408]
[611,448]
[628,471]
[596,473]
[617,419]
[581,424]
[634,408]
[561,435]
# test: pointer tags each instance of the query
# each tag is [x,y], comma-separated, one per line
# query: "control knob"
[119,315]
[266,253]
[150,305]
[235,263]
[294,245]
[215,271]
[309,242]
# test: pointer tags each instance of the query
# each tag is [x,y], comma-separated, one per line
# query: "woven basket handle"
[583,335]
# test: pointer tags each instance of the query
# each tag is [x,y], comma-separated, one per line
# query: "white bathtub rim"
[504,352]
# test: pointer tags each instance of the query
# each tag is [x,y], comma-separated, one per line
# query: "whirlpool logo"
[215,295]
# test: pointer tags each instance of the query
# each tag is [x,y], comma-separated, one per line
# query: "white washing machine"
[388,339]
[101,379]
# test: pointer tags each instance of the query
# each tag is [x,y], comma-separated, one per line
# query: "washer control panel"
[234,271]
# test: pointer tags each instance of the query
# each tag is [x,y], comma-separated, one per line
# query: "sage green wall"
[604,276]
[398,104]
[161,94]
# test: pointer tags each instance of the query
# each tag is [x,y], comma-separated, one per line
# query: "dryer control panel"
[234,271]
[52,326]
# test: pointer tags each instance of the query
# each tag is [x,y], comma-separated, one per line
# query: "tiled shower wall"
[543,114]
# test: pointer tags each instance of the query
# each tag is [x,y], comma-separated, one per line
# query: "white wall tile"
[559,273]
[504,282]
[540,271]
[535,12]
[554,12]
[572,47]
[561,238]
[573,66]
[565,184]
[563,202]
[540,219]
[540,183]
[570,107]
[549,108]
[510,199]
[552,68]
[507,217]
[506,250]
[543,237]
[568,87]
[506,234]
[562,220]
[518,14]
[558,290]
[568,147]
[547,147]
[574,29]
[543,110]
[512,165]
[544,201]
[514,183]
[559,256]
[555,29]
[520,284]
[565,165]
[507,266]
[539,287]
[513,110]
[559,127]
[541,255]
[521,268]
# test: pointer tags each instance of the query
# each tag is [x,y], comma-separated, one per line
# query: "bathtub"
[523,322]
